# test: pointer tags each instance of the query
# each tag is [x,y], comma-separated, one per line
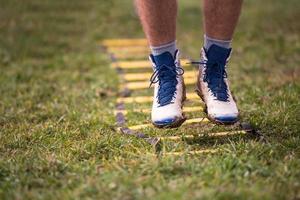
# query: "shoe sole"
[175,124]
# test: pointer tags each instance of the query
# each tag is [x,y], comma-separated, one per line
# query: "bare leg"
[221,17]
[158,18]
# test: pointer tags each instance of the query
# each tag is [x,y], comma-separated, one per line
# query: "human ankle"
[208,42]
[168,47]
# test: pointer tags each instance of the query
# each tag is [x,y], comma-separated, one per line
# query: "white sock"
[169,47]
[208,42]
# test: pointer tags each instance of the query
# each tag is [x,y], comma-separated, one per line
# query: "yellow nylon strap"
[130,51]
[140,64]
[195,152]
[124,42]
[218,134]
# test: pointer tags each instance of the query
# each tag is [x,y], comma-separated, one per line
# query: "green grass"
[57,136]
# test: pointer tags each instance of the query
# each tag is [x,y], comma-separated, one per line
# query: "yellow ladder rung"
[146,99]
[196,120]
[130,51]
[218,134]
[145,84]
[140,64]
[193,109]
[148,110]
[189,121]
[146,75]
[195,152]
[128,56]
[124,42]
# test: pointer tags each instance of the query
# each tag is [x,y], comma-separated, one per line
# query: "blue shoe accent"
[226,119]
[165,73]
[165,122]
[215,71]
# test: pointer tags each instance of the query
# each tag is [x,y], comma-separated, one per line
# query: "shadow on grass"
[212,140]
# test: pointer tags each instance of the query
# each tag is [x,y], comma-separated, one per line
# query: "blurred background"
[56,135]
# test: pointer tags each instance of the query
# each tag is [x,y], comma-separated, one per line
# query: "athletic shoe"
[213,85]
[169,92]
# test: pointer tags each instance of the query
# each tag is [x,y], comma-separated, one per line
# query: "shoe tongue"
[218,54]
[165,58]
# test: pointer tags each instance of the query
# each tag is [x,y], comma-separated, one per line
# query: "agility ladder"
[128,59]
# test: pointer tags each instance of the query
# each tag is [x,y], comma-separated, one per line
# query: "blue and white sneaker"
[213,85]
[169,91]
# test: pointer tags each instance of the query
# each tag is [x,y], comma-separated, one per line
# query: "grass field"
[57,135]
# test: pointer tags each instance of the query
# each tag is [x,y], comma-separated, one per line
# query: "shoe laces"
[166,77]
[214,75]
